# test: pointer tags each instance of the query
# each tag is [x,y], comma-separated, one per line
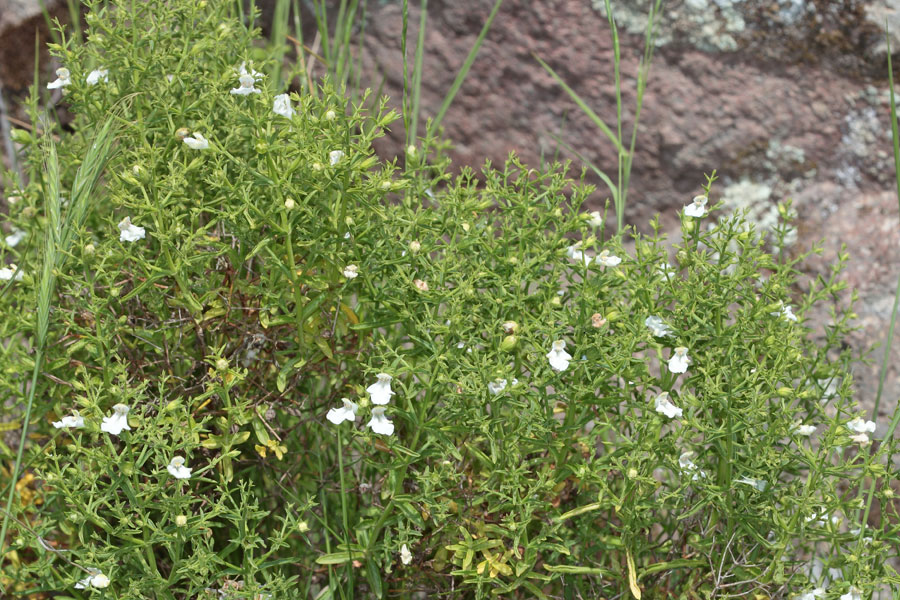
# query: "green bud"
[20,136]
[784,392]
[508,343]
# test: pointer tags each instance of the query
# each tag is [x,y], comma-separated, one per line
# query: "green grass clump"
[535,407]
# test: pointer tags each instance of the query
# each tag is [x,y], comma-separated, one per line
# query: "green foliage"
[235,324]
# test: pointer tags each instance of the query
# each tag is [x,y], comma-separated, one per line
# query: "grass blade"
[603,176]
[582,105]
[56,243]
[413,131]
[895,135]
[464,70]
[280,18]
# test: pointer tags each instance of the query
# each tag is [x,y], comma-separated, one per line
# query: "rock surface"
[19,19]
[784,98]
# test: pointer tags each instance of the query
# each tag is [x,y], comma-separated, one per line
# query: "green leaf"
[374,578]
[339,558]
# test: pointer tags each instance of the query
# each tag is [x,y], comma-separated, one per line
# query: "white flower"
[380,391]
[70,421]
[657,327]
[664,406]
[857,531]
[242,70]
[759,484]
[862,429]
[666,270]
[559,358]
[697,208]
[347,412]
[198,142]
[13,239]
[95,580]
[351,271]
[575,253]
[380,423]
[63,78]
[852,594]
[678,362]
[811,595]
[405,555]
[282,106]
[608,260]
[129,232]
[688,466]
[803,430]
[509,327]
[177,469]
[819,519]
[11,272]
[95,76]
[247,79]
[117,422]
[685,462]
[787,312]
[595,219]
[860,426]
[335,156]
[861,438]
[496,386]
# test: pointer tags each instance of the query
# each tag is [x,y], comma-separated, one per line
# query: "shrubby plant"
[278,366]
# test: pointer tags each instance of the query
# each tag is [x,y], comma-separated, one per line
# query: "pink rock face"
[797,108]
[18,21]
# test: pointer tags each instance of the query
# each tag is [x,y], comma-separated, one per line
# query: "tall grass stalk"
[895,418]
[895,135]
[63,227]
[464,70]
[280,23]
[619,189]
[413,131]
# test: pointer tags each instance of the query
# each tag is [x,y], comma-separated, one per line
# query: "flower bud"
[415,246]
[221,364]
[330,116]
[289,204]
[20,136]
[508,343]
[302,526]
[180,521]
[510,327]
